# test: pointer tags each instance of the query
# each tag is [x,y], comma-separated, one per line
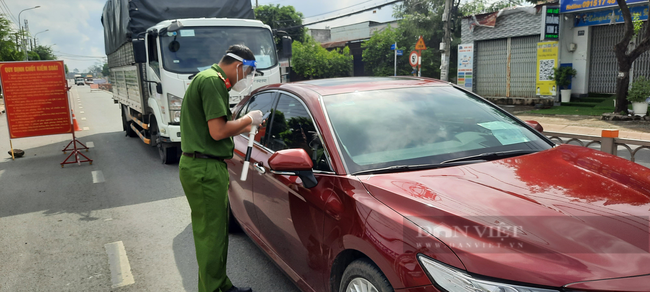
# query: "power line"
[9,11]
[337,9]
[344,15]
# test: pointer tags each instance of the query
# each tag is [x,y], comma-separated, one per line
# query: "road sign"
[413,59]
[420,45]
[392,47]
[400,52]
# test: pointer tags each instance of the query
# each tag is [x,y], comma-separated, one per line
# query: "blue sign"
[400,52]
[609,16]
[581,5]
[392,47]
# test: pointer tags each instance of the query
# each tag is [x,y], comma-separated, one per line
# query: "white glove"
[256,117]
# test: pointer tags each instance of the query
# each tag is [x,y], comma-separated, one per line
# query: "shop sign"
[465,66]
[551,27]
[547,59]
[581,5]
[609,16]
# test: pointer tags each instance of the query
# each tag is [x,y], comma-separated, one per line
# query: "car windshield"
[193,49]
[421,126]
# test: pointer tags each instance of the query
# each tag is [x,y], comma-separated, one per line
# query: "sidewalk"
[586,125]
[2,106]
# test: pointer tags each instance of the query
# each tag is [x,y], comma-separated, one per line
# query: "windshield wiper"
[406,167]
[490,156]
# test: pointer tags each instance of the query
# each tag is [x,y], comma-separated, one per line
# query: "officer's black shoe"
[240,289]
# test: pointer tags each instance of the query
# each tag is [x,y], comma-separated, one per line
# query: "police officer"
[207,129]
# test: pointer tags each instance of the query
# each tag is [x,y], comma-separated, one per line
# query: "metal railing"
[608,141]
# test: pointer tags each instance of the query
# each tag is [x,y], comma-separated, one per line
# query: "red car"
[412,184]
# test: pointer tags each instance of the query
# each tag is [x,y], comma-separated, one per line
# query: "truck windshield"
[193,49]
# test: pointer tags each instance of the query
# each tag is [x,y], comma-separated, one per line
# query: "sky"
[76,33]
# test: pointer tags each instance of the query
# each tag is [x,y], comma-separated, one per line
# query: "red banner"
[36,98]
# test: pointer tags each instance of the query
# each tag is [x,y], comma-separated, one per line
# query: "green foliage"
[44,53]
[281,17]
[312,61]
[563,75]
[379,59]
[8,48]
[640,90]
[65,66]
[417,18]
[637,23]
[105,71]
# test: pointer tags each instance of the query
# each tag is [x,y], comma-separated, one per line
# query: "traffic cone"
[74,123]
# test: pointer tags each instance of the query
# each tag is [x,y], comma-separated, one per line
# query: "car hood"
[555,217]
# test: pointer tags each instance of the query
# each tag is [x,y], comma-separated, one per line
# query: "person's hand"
[256,117]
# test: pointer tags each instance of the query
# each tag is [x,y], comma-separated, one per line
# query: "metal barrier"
[608,141]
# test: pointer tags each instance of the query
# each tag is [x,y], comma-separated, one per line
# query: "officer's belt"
[201,155]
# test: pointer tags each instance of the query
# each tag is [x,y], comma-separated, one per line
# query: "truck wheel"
[364,275]
[127,125]
[168,154]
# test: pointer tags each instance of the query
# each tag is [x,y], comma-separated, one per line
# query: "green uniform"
[206,181]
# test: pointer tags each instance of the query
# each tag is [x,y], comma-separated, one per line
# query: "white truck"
[156,47]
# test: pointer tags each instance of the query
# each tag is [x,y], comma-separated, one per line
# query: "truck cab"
[169,54]
[79,81]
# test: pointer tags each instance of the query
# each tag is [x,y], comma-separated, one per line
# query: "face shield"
[248,67]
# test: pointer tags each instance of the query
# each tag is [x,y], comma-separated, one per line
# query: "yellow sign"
[547,59]
[420,45]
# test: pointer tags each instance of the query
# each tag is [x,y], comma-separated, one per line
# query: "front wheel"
[363,275]
[168,154]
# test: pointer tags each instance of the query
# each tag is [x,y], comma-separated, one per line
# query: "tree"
[44,53]
[75,70]
[310,60]
[282,17]
[65,66]
[417,18]
[8,48]
[105,71]
[378,57]
[626,56]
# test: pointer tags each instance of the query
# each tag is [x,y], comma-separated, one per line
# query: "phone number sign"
[581,5]
[36,98]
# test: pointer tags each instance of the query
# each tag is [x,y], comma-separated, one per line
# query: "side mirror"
[294,162]
[286,47]
[139,51]
[536,126]
[159,87]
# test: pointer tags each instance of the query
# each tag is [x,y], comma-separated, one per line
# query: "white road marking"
[90,144]
[98,176]
[81,107]
[119,263]
[83,119]
[86,129]
[82,112]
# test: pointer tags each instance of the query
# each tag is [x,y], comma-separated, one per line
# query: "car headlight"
[455,280]
[174,101]
[176,116]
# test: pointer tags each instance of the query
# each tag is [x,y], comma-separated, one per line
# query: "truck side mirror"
[139,51]
[286,47]
[159,87]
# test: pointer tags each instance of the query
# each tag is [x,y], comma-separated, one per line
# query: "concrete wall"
[377,27]
[579,59]
[351,32]
[320,35]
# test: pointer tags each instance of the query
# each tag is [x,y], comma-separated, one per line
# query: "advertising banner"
[547,59]
[609,16]
[581,5]
[36,98]
[465,66]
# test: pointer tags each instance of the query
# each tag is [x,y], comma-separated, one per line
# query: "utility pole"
[257,3]
[445,46]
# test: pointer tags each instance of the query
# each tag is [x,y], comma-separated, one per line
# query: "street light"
[20,28]
[37,34]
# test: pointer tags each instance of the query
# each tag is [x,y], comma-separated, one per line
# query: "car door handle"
[259,168]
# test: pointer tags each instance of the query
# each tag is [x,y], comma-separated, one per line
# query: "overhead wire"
[388,2]
[8,11]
